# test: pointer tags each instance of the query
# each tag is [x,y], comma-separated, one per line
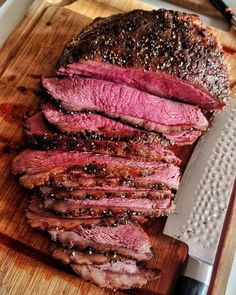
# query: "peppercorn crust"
[172,42]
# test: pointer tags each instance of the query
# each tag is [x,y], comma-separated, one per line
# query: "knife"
[203,198]
[225,11]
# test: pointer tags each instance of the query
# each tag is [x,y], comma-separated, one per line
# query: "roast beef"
[97,127]
[82,233]
[128,240]
[111,207]
[68,256]
[45,220]
[108,271]
[168,53]
[100,193]
[166,178]
[125,103]
[33,162]
[61,168]
[42,138]
[49,221]
[123,274]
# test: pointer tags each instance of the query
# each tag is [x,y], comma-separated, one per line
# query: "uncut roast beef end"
[168,53]
[125,103]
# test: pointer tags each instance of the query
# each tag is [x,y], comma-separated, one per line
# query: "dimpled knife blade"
[206,187]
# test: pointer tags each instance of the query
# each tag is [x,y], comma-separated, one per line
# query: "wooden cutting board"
[31,52]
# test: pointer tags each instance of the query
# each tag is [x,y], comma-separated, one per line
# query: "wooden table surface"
[21,272]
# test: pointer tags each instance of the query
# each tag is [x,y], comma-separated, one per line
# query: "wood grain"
[31,52]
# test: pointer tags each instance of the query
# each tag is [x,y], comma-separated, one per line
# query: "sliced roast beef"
[53,167]
[49,221]
[106,269]
[97,127]
[111,207]
[91,126]
[128,240]
[104,235]
[33,162]
[68,256]
[125,103]
[100,193]
[165,52]
[123,274]
[44,139]
[166,178]
[41,219]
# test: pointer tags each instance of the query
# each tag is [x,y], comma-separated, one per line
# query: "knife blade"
[204,195]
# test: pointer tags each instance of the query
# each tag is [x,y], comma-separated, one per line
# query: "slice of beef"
[68,256]
[125,103]
[97,127]
[128,240]
[45,139]
[123,274]
[100,193]
[49,221]
[85,122]
[167,53]
[122,236]
[32,162]
[58,167]
[106,269]
[44,220]
[184,137]
[166,178]
[111,207]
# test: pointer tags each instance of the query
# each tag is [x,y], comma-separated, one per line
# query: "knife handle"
[195,278]
[189,286]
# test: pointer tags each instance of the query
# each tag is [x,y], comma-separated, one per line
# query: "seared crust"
[173,42]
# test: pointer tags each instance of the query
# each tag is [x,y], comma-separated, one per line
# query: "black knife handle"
[224,9]
[189,286]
